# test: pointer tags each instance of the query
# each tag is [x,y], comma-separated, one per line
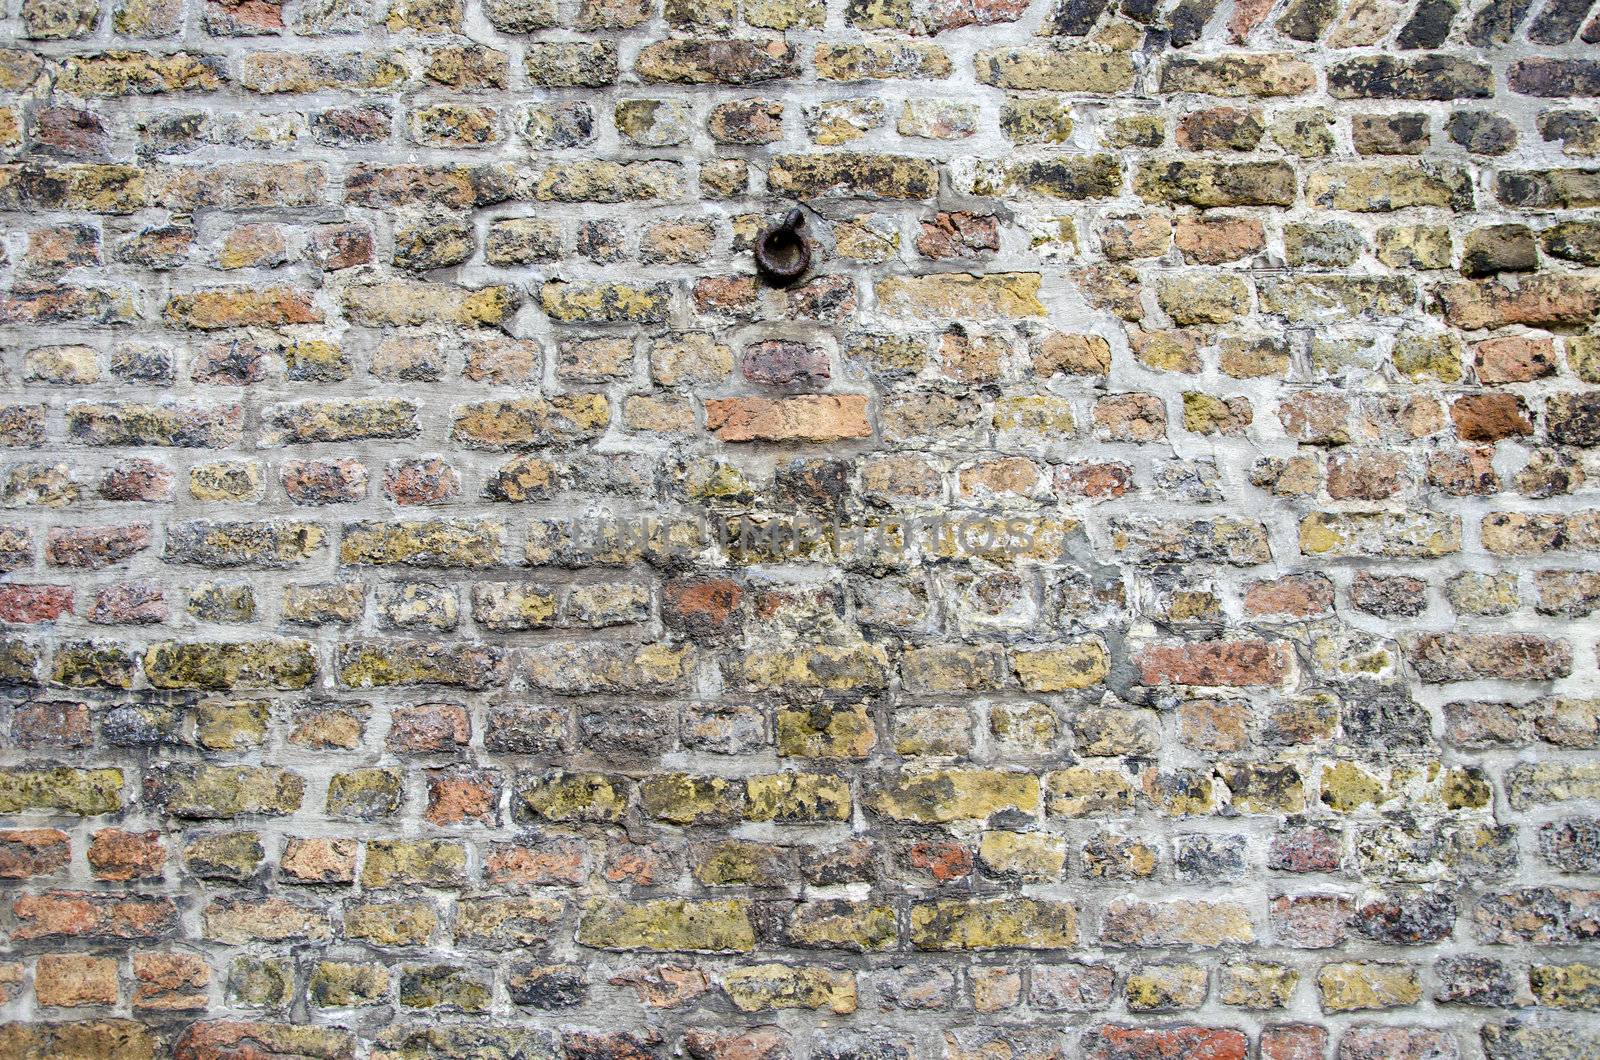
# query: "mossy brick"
[347,984]
[85,792]
[1057,68]
[519,922]
[603,303]
[235,857]
[961,296]
[430,543]
[281,73]
[93,664]
[1096,176]
[219,665]
[243,545]
[1351,986]
[1062,668]
[373,664]
[390,923]
[795,796]
[402,303]
[445,988]
[260,982]
[414,863]
[1374,189]
[1000,923]
[1265,74]
[842,924]
[124,1038]
[771,987]
[565,796]
[571,64]
[531,423]
[685,799]
[276,364]
[1209,184]
[834,668]
[854,174]
[668,924]
[307,422]
[365,794]
[873,60]
[168,425]
[939,796]
[216,792]
[608,668]
[1398,536]
[611,182]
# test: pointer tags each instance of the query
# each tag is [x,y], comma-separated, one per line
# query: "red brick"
[94,547]
[428,728]
[69,914]
[73,979]
[319,860]
[808,418]
[1293,1041]
[1294,596]
[1212,241]
[430,481]
[1513,360]
[944,861]
[462,797]
[1241,663]
[701,605]
[121,856]
[27,852]
[1310,921]
[537,862]
[170,982]
[1183,1042]
[25,604]
[52,723]
[1490,417]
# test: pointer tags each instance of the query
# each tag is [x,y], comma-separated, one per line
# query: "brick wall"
[1133,599]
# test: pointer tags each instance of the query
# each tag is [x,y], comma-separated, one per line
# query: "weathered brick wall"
[345,712]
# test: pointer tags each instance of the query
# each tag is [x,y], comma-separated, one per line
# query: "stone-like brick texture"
[382,379]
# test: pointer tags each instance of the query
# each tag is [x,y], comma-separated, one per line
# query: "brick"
[994,923]
[1059,68]
[1213,184]
[1239,74]
[881,60]
[817,418]
[727,62]
[1352,986]
[64,980]
[1112,1042]
[667,924]
[1464,657]
[68,914]
[29,852]
[877,176]
[120,856]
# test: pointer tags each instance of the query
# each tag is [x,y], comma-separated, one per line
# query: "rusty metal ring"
[782,257]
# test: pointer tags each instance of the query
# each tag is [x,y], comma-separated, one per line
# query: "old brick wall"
[346,710]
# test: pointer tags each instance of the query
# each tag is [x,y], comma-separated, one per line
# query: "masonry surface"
[425,632]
